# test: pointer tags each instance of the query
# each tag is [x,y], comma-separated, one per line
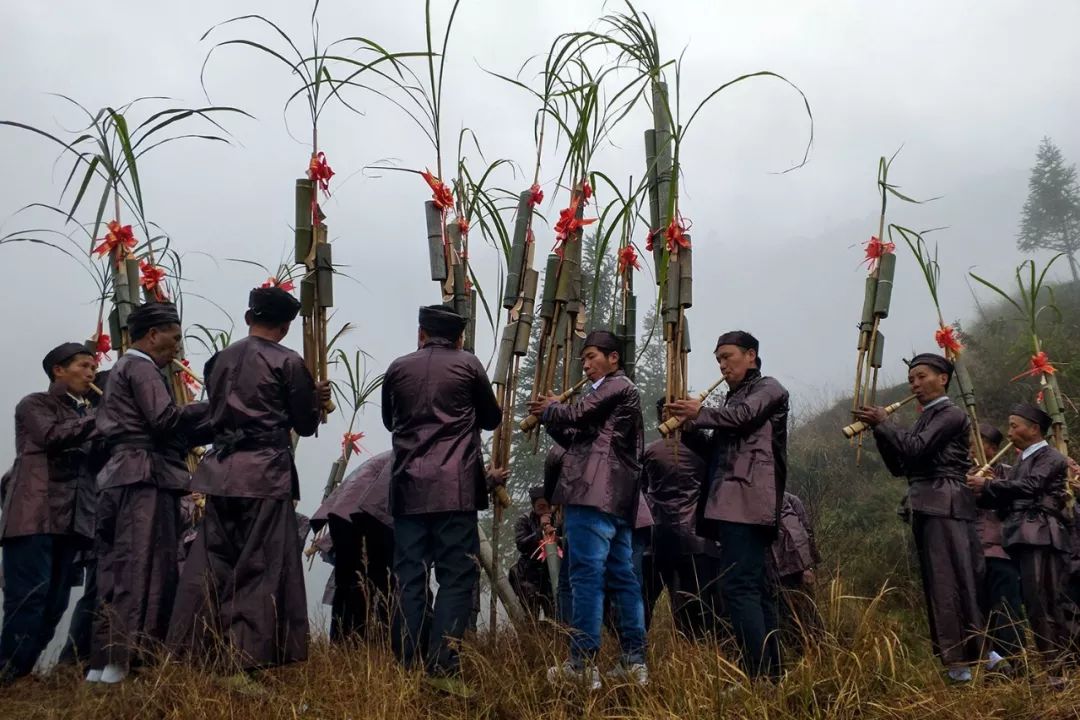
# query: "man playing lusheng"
[740,506]
[243,581]
[934,456]
[598,488]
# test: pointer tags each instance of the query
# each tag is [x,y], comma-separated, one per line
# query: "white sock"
[94,676]
[992,660]
[113,673]
[960,674]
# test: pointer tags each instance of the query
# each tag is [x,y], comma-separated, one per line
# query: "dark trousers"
[800,621]
[363,576]
[37,585]
[80,634]
[750,603]
[693,585]
[1002,606]
[1042,570]
[451,541]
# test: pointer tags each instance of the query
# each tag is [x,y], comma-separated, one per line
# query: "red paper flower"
[320,172]
[352,440]
[440,194]
[628,259]
[537,195]
[1040,365]
[568,224]
[875,249]
[287,286]
[102,347]
[676,235]
[118,236]
[586,190]
[463,225]
[189,380]
[947,340]
[649,240]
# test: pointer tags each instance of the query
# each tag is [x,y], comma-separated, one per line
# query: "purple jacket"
[795,549]
[671,478]
[146,433]
[51,478]
[435,402]
[935,457]
[748,464]
[988,523]
[1034,496]
[259,390]
[603,437]
[366,490]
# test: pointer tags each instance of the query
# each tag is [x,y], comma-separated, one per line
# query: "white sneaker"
[635,673]
[113,674]
[94,676]
[959,675]
[589,676]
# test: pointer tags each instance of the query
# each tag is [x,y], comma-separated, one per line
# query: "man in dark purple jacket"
[1034,530]
[40,523]
[794,558]
[934,456]
[598,488]
[138,518]
[243,581]
[435,402]
[740,506]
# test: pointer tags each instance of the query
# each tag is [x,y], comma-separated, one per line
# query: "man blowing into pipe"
[745,480]
[934,456]
[598,488]
[243,580]
[435,402]
[138,517]
[43,523]
[1034,533]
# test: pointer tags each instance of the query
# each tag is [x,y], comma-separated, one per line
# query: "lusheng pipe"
[673,423]
[532,421]
[859,426]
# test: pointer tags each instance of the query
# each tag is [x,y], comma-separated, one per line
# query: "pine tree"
[1051,214]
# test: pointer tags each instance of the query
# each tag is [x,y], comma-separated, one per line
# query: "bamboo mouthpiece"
[673,423]
[532,421]
[96,390]
[859,426]
[986,469]
[187,371]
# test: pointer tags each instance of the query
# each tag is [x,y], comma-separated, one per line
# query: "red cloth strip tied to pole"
[103,345]
[151,277]
[568,224]
[676,234]
[287,286]
[541,552]
[537,195]
[352,440]
[1040,365]
[947,340]
[628,259]
[875,249]
[440,194]
[118,236]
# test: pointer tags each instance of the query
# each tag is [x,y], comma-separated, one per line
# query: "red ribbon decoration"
[440,194]
[537,195]
[875,249]
[463,226]
[541,551]
[947,340]
[118,236]
[151,277]
[320,172]
[287,286]
[1040,365]
[676,235]
[103,344]
[628,258]
[649,240]
[568,224]
[352,440]
[191,383]
[586,190]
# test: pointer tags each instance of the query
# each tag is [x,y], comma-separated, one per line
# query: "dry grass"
[865,668]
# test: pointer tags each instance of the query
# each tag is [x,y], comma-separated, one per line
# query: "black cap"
[61,354]
[152,315]
[740,338]
[990,433]
[272,305]
[932,360]
[440,321]
[1033,414]
[536,492]
[603,340]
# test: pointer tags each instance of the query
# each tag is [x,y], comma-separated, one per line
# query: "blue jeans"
[601,547]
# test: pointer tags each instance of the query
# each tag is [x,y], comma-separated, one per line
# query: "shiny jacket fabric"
[51,486]
[531,570]
[935,456]
[748,456]
[366,490]
[795,549]
[259,391]
[1034,496]
[988,523]
[146,434]
[603,436]
[435,402]
[671,477]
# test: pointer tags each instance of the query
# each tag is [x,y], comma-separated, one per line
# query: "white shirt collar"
[139,354]
[1032,449]
[597,384]
[938,401]
[79,402]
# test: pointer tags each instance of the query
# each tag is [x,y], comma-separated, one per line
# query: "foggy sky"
[968,88]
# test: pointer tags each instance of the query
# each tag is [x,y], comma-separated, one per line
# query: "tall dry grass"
[872,663]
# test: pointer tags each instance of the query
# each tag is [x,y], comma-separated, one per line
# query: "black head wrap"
[603,340]
[991,434]
[272,306]
[61,354]
[933,361]
[536,492]
[442,322]
[740,338]
[1032,413]
[151,315]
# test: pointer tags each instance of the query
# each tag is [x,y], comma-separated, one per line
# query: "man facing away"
[138,517]
[598,489]
[41,532]
[243,580]
[435,402]
[740,507]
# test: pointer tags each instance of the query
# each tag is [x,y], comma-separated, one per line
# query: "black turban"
[603,340]
[536,492]
[273,306]
[61,354]
[740,338]
[990,433]
[931,360]
[442,322]
[1032,413]
[151,315]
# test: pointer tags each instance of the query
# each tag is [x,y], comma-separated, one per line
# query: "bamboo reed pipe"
[672,423]
[859,426]
[986,469]
[532,421]
[98,391]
